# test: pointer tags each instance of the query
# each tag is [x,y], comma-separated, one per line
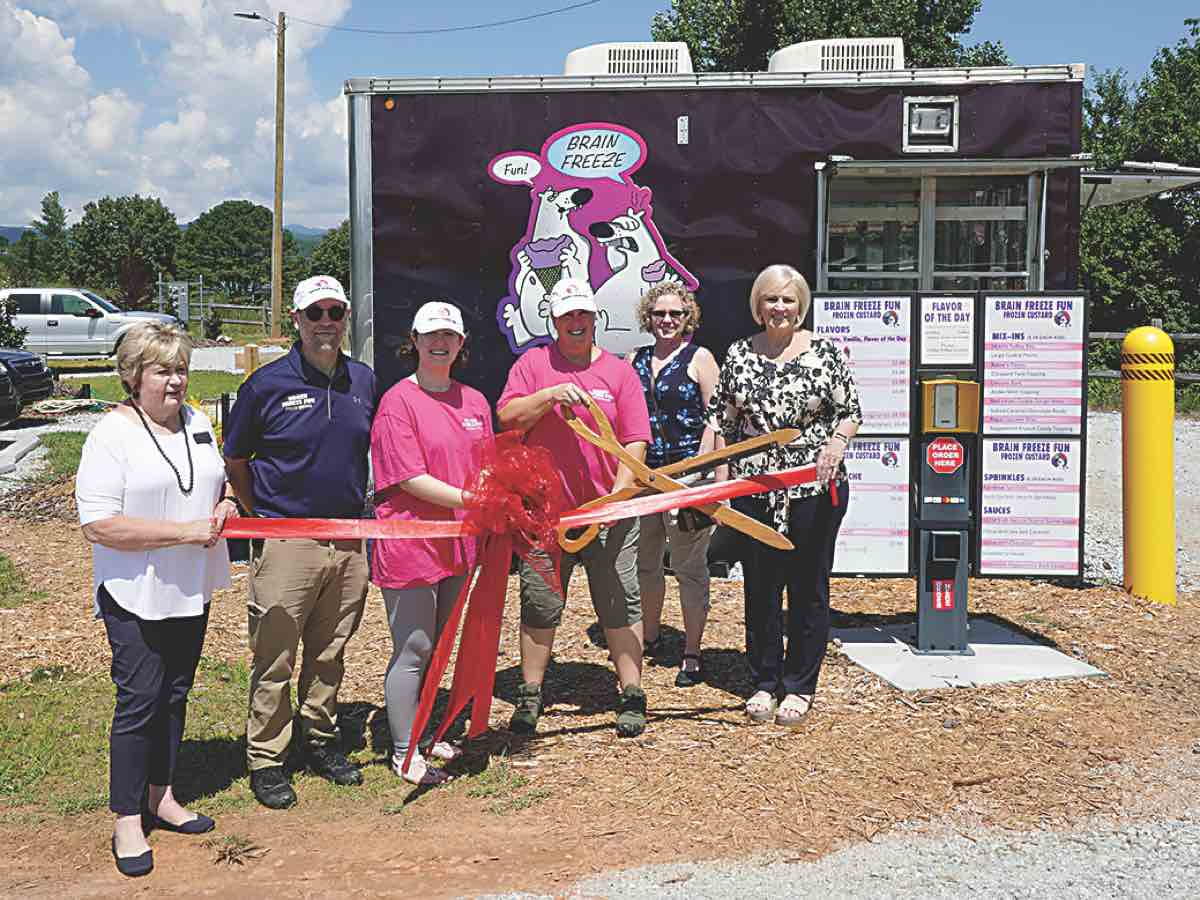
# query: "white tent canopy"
[1132,181]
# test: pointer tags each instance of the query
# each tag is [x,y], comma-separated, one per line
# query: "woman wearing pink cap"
[426,444]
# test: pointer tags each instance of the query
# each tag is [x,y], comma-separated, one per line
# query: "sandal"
[690,677]
[654,649]
[793,709]
[760,708]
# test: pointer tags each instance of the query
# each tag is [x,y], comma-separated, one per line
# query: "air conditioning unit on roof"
[630,58]
[840,55]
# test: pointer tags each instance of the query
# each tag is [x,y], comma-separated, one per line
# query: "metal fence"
[1183,338]
[187,301]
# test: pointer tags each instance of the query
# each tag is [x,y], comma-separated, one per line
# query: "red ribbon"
[515,503]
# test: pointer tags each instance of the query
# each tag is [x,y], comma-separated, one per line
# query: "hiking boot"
[271,788]
[528,709]
[330,763]
[631,712]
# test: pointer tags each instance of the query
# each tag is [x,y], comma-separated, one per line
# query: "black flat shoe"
[133,866]
[198,825]
[690,677]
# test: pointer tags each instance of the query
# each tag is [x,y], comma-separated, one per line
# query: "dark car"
[10,400]
[29,374]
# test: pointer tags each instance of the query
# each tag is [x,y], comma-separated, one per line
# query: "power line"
[425,31]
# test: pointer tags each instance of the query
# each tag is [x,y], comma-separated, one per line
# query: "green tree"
[230,246]
[332,255]
[121,245]
[54,258]
[23,260]
[740,35]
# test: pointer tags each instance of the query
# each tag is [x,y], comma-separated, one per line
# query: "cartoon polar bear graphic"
[637,265]
[554,251]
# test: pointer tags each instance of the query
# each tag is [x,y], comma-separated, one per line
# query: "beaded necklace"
[186,446]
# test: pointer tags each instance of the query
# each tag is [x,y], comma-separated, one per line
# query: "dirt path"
[699,784]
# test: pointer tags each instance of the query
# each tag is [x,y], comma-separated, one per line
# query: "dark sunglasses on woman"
[665,313]
[313,313]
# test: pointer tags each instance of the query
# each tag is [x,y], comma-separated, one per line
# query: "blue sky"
[174,97]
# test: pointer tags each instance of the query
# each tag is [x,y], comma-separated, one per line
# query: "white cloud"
[64,133]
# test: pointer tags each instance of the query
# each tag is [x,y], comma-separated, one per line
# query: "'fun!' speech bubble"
[595,150]
[515,168]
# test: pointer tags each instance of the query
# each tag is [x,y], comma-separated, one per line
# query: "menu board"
[874,535]
[1030,507]
[1033,354]
[947,331]
[873,332]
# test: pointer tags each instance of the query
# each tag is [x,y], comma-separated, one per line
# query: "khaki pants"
[689,559]
[300,590]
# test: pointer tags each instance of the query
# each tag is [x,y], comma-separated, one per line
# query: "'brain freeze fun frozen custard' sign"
[1029,516]
[873,332]
[1033,355]
[874,535]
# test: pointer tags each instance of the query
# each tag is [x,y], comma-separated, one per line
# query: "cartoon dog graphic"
[554,251]
[636,265]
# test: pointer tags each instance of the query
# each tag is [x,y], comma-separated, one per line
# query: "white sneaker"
[419,772]
[446,751]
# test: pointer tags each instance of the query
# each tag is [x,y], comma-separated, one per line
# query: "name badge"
[202,437]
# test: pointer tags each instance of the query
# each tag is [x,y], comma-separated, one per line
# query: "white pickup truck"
[71,322]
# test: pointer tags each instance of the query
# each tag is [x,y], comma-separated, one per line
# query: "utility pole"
[277,222]
[277,219]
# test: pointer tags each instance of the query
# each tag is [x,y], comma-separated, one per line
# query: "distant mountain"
[12,233]
[302,231]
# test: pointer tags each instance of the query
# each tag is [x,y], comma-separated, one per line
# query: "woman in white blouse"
[151,497]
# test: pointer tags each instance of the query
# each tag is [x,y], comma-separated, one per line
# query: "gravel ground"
[1102,531]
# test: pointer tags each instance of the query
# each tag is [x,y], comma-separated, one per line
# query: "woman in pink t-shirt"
[426,444]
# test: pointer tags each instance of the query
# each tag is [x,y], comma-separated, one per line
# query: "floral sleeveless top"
[676,407]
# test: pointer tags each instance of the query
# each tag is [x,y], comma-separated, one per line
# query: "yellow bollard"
[1148,462]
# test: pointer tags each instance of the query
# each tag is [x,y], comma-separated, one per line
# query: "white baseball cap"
[570,294]
[437,315]
[319,287]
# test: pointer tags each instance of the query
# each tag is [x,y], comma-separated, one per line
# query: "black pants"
[812,527]
[154,665]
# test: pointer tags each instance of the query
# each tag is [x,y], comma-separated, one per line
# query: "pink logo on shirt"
[601,394]
[472,423]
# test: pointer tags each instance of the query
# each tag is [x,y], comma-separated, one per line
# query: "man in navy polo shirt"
[296,446]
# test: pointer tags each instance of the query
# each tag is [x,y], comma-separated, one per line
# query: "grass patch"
[62,454]
[234,850]
[54,728]
[506,789]
[200,384]
[14,589]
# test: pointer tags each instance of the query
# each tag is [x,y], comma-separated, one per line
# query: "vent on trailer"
[840,55]
[630,58]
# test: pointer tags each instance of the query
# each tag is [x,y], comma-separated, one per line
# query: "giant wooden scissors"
[647,479]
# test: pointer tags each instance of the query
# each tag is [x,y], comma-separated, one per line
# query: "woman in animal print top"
[785,377]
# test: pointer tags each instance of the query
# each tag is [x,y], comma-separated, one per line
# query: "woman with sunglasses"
[784,377]
[678,378]
[426,444]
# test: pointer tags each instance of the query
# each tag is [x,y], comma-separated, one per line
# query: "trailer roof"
[717,80]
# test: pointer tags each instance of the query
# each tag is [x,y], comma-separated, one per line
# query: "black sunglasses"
[668,313]
[313,313]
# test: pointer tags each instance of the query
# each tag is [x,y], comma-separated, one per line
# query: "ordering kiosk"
[970,460]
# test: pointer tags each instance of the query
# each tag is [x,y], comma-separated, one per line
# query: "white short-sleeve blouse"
[121,472]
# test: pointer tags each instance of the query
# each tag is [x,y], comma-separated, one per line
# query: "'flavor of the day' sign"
[947,331]
[1033,356]
[1030,507]
[874,534]
[873,332]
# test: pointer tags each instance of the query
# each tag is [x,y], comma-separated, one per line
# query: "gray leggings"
[416,617]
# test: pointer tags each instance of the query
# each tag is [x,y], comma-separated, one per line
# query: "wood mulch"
[700,783]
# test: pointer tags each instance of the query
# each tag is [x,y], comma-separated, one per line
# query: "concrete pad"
[223,359]
[1002,656]
[14,449]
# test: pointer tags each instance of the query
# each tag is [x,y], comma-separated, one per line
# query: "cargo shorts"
[610,562]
